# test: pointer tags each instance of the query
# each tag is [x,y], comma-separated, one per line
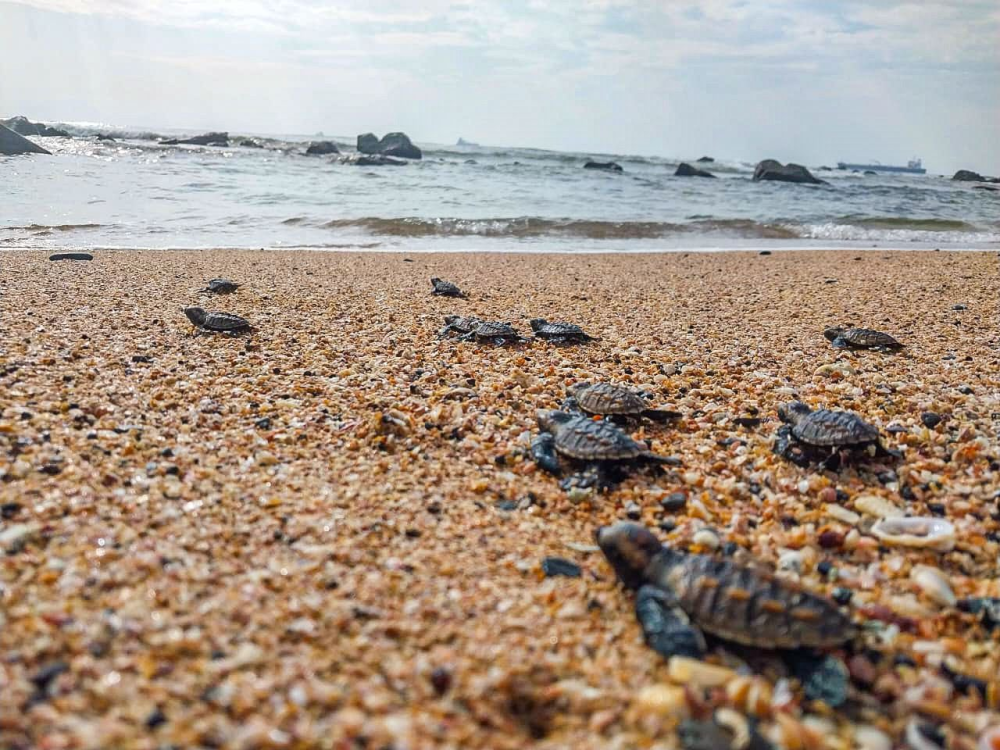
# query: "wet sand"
[327,532]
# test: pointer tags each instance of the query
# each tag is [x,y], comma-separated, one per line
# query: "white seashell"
[916,531]
[934,584]
[685,671]
[877,506]
[706,538]
[840,513]
[870,738]
[989,739]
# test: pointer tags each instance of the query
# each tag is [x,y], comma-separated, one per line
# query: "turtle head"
[538,323]
[450,319]
[833,332]
[575,389]
[793,411]
[195,314]
[549,419]
[435,280]
[629,547]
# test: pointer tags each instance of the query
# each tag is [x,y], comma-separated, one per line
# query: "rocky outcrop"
[770,169]
[967,175]
[607,166]
[391,144]
[23,126]
[249,143]
[322,148]
[705,160]
[686,170]
[12,143]
[209,139]
[371,160]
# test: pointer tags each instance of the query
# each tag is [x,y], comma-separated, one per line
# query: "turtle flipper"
[543,452]
[665,627]
[840,343]
[661,415]
[570,404]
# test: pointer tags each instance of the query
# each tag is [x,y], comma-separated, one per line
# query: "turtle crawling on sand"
[559,333]
[221,286]
[808,435]
[444,288]
[690,593]
[493,332]
[601,447]
[613,401]
[459,324]
[843,337]
[216,321]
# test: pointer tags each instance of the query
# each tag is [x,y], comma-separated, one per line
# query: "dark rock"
[967,175]
[102,137]
[930,419]
[23,126]
[441,680]
[607,166]
[674,502]
[705,160]
[71,256]
[156,718]
[321,148]
[960,307]
[748,422]
[208,139]
[376,160]
[686,170]
[263,423]
[870,172]
[248,143]
[9,510]
[764,252]
[558,566]
[392,144]
[12,144]
[769,169]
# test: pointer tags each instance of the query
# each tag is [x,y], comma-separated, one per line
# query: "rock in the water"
[607,166]
[103,137]
[392,144]
[321,148]
[248,143]
[769,169]
[870,172]
[967,175]
[705,160]
[399,144]
[12,144]
[208,139]
[71,256]
[686,170]
[23,126]
[374,160]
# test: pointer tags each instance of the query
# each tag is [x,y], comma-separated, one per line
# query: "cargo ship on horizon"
[914,166]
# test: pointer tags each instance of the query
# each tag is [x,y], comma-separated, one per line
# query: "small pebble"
[707,539]
[930,419]
[674,502]
[441,680]
[558,566]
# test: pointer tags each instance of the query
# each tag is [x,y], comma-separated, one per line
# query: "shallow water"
[137,193]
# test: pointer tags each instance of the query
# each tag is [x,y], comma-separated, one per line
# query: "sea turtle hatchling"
[559,333]
[807,434]
[493,332]
[613,401]
[842,337]
[444,288]
[216,321]
[601,447]
[702,593]
[221,286]
[459,324]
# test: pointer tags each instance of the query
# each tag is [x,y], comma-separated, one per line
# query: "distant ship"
[913,166]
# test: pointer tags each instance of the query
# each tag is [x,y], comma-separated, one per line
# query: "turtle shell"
[222,286]
[608,398]
[445,288]
[460,323]
[544,329]
[833,428]
[747,605]
[868,339]
[488,329]
[585,439]
[220,321]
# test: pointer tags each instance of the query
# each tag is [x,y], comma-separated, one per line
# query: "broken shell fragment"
[916,531]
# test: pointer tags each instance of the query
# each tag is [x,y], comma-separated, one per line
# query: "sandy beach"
[328,532]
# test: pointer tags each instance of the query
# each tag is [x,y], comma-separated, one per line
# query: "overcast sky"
[802,80]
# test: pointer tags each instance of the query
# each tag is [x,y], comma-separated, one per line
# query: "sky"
[811,81]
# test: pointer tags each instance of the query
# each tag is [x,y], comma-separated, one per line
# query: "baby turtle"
[614,401]
[559,333]
[493,332]
[459,324]
[216,321]
[600,446]
[730,601]
[444,288]
[808,432]
[221,286]
[860,338]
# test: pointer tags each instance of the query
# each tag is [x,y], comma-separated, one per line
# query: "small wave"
[528,227]
[904,222]
[48,229]
[858,231]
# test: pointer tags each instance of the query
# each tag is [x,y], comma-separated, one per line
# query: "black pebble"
[960,307]
[930,419]
[824,567]
[674,502]
[440,680]
[167,452]
[764,252]
[71,256]
[156,718]
[842,596]
[9,510]
[44,676]
[936,508]
[966,390]
[557,566]
[264,423]
[667,525]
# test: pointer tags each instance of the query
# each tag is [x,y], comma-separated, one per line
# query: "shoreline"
[328,531]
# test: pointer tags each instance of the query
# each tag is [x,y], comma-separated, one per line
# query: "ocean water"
[136,193]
